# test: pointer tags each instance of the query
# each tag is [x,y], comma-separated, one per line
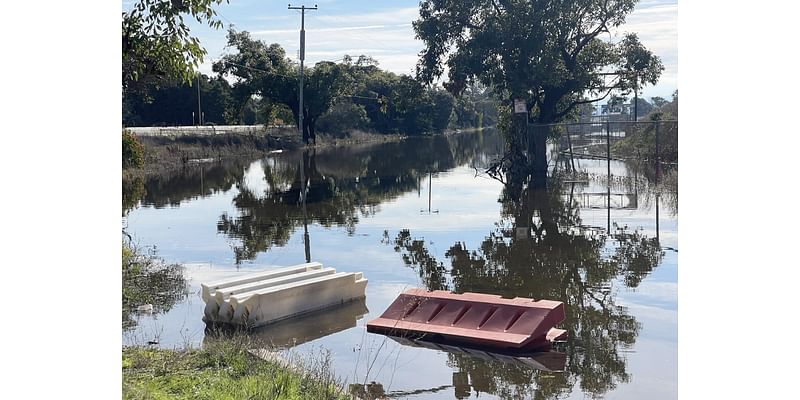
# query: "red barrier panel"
[473,319]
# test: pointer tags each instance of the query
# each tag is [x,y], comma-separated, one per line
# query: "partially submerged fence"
[655,141]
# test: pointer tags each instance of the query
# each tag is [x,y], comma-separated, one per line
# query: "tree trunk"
[312,130]
[539,154]
[307,131]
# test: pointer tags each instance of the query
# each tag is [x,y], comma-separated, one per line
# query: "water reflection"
[171,187]
[302,329]
[541,249]
[149,286]
[551,243]
[341,186]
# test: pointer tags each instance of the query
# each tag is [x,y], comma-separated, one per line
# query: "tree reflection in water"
[343,186]
[540,249]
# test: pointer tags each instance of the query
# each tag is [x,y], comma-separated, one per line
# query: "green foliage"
[175,103]
[641,141]
[222,369]
[391,103]
[549,53]
[156,43]
[475,107]
[343,117]
[351,95]
[658,101]
[132,151]
[443,103]
[265,71]
[411,106]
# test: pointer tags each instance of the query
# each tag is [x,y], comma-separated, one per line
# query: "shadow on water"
[541,249]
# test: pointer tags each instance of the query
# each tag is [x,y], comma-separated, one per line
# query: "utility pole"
[636,98]
[302,58]
[199,110]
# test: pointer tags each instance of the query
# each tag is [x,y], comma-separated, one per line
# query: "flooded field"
[422,213]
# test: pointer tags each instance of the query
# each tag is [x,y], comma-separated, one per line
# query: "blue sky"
[382,29]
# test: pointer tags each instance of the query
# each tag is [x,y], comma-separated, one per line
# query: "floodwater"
[422,213]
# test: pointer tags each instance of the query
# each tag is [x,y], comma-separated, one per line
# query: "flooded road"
[421,213]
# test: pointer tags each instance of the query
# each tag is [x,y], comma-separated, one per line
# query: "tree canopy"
[175,103]
[156,42]
[351,94]
[265,70]
[548,52]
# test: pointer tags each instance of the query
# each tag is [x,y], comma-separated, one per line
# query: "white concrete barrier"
[274,295]
[207,130]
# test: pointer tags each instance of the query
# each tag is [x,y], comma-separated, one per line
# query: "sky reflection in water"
[368,210]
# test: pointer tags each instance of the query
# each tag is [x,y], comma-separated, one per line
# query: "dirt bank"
[166,153]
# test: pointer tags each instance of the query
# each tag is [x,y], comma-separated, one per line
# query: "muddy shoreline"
[164,154]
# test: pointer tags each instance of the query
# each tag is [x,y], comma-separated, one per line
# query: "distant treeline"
[640,139]
[352,95]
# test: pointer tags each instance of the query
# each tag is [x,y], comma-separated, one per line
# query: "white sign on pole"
[519,107]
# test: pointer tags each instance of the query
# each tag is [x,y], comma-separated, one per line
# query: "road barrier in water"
[473,319]
[270,296]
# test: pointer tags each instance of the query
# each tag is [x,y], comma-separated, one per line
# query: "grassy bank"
[222,369]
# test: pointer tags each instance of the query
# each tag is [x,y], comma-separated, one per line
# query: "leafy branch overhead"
[156,42]
[555,54]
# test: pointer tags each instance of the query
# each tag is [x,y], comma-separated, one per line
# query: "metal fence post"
[608,145]
[608,162]
[571,156]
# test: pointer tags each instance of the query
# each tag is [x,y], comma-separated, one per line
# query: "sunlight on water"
[421,213]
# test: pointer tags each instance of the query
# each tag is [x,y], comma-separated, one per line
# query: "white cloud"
[382,17]
[656,24]
[388,37]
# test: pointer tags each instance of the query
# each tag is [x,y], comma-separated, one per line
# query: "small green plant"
[132,151]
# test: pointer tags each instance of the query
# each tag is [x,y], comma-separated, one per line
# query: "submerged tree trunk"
[310,126]
[537,150]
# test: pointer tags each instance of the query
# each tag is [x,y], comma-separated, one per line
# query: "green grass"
[222,369]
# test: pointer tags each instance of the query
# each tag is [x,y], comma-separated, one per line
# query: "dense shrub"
[343,117]
[640,140]
[132,151]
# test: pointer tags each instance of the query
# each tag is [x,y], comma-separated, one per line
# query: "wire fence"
[655,141]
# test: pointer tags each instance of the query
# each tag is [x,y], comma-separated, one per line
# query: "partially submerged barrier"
[270,296]
[300,329]
[473,319]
